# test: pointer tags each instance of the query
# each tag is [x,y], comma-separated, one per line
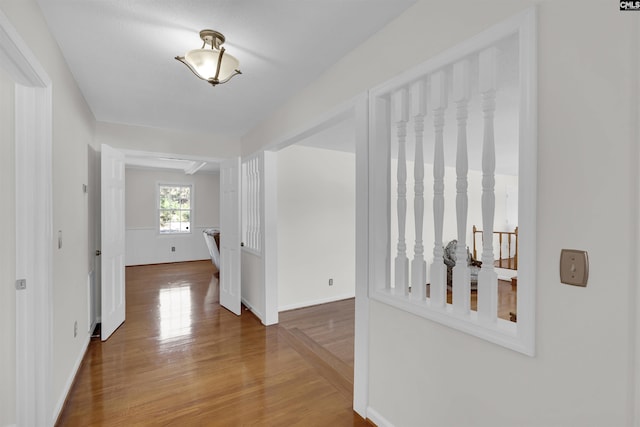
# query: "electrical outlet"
[330,282]
[75,329]
[173,248]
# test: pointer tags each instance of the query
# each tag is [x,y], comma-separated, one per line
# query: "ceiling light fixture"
[213,65]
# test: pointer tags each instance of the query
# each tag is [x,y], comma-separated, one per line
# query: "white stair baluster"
[400,110]
[461,275]
[438,293]
[487,278]
[418,264]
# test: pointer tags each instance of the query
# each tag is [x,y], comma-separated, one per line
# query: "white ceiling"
[121,53]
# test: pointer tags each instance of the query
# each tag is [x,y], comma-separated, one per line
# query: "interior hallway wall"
[73,129]
[583,373]
[166,141]
[316,226]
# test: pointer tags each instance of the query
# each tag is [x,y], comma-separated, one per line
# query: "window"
[174,208]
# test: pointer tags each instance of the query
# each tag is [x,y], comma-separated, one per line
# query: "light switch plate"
[574,267]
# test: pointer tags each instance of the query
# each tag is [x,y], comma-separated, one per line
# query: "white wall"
[142,138]
[422,373]
[252,284]
[73,129]
[7,255]
[316,226]
[144,245]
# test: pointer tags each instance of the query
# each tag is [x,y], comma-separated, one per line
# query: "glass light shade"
[204,62]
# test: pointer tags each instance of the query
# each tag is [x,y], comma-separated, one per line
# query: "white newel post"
[461,276]
[402,262]
[438,293]
[418,264]
[487,278]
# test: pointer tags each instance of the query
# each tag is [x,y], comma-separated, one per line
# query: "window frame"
[191,208]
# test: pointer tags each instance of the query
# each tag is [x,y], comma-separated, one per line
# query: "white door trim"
[361,342]
[269,202]
[34,227]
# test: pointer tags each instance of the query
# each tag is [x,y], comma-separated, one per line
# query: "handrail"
[511,263]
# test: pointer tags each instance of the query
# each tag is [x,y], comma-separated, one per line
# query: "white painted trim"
[378,419]
[311,303]
[361,339]
[322,122]
[528,180]
[34,227]
[269,209]
[520,338]
[69,383]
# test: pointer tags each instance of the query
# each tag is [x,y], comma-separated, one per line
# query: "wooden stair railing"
[509,262]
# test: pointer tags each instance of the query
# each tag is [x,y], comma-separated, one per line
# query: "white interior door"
[112,236]
[230,294]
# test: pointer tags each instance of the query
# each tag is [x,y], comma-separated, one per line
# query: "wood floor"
[180,359]
[507,299]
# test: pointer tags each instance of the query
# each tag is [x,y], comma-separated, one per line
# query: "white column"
[487,278]
[438,294]
[401,114]
[461,275]
[418,264]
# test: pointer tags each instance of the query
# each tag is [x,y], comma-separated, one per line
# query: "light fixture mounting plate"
[212,37]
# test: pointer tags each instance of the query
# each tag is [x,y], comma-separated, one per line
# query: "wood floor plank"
[326,364]
[181,359]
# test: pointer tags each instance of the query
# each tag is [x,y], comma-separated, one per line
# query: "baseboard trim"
[316,302]
[69,384]
[378,419]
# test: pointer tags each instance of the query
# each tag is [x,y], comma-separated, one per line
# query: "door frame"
[358,108]
[34,221]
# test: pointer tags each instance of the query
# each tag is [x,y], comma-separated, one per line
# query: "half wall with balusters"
[465,118]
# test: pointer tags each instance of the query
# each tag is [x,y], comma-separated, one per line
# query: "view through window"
[175,208]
